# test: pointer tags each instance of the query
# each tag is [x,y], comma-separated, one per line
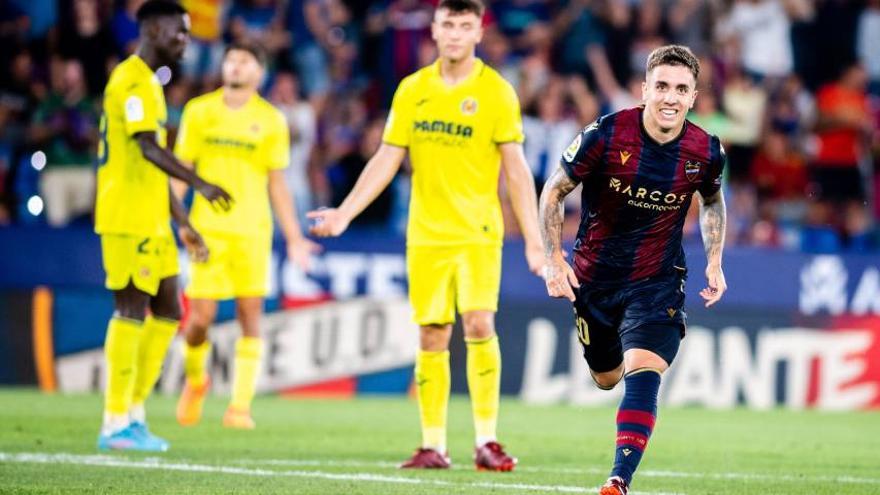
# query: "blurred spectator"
[204,53]
[778,172]
[690,24]
[843,127]
[762,32]
[86,37]
[125,29]
[746,104]
[65,129]
[405,25]
[307,22]
[258,20]
[345,171]
[285,95]
[516,17]
[868,44]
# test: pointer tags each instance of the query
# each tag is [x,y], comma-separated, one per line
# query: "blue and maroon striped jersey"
[636,194]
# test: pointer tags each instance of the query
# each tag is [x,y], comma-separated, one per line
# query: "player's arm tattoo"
[713,222]
[552,210]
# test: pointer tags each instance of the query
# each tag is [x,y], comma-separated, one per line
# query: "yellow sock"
[155,339]
[247,367]
[433,381]
[195,361]
[120,353]
[484,383]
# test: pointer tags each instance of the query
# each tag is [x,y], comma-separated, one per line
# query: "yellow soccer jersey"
[132,196]
[235,149]
[453,134]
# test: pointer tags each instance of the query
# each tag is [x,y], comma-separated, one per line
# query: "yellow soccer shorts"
[443,278]
[236,267]
[145,261]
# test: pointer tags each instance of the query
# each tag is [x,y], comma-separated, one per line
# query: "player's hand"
[560,278]
[717,285]
[535,258]
[327,222]
[194,243]
[216,195]
[300,252]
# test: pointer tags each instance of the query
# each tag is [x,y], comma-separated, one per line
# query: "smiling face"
[456,33]
[668,92]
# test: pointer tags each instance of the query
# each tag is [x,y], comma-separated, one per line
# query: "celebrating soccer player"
[460,122]
[639,168]
[132,215]
[238,139]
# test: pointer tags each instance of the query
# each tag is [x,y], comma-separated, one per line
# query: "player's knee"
[434,338]
[478,325]
[607,380]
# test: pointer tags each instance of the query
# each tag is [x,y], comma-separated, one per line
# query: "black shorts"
[837,183]
[648,314]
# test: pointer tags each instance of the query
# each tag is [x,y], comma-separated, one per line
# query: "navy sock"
[635,420]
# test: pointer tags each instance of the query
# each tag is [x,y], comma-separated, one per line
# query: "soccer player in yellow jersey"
[133,216]
[238,139]
[460,122]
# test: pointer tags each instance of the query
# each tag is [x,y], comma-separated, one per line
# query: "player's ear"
[693,99]
[644,91]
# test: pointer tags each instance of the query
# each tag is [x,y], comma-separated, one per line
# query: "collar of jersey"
[142,65]
[475,71]
[651,139]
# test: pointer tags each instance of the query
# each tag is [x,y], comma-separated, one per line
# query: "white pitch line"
[586,470]
[158,464]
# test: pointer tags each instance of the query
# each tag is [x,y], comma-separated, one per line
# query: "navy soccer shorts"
[648,314]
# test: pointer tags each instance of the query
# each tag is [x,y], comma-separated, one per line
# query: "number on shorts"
[583,330]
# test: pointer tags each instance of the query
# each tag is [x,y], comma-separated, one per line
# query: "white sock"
[114,423]
[137,413]
[484,440]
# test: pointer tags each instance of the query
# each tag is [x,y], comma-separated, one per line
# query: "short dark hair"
[674,55]
[158,8]
[251,46]
[462,6]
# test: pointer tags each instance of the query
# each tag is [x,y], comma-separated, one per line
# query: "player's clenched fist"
[560,278]
[328,222]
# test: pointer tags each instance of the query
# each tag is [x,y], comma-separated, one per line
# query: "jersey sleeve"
[140,109]
[398,127]
[509,126]
[188,140]
[584,154]
[712,180]
[278,144]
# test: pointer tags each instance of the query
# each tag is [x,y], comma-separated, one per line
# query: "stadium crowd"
[792,88]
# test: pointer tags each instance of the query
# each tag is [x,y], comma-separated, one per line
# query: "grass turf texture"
[352,446]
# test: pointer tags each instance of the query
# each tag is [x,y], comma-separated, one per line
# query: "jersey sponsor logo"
[134,109]
[624,156]
[469,106]
[572,149]
[443,127]
[648,199]
[692,169]
[231,143]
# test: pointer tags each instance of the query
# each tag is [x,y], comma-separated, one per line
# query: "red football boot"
[492,457]
[427,459]
[614,486]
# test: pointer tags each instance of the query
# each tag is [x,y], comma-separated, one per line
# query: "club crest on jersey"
[692,169]
[572,149]
[469,106]
[255,128]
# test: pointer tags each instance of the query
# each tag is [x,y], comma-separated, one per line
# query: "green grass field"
[352,447]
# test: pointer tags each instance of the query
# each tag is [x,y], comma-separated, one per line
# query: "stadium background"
[799,327]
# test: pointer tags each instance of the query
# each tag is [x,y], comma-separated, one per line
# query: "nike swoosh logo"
[422,101]
[484,373]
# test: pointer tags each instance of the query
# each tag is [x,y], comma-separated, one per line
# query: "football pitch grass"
[310,446]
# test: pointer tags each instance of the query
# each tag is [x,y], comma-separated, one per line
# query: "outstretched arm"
[524,201]
[558,275]
[373,180]
[713,222]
